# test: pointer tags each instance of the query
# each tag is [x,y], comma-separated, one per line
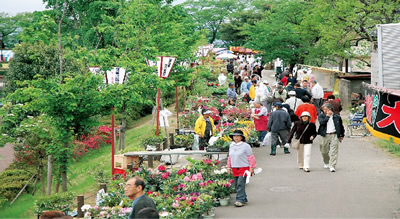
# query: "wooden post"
[104,187]
[171,139]
[158,148]
[183,98]
[150,161]
[49,174]
[81,202]
[165,144]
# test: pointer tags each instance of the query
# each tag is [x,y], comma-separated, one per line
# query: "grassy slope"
[82,177]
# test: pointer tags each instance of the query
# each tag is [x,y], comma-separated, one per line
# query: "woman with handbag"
[306,132]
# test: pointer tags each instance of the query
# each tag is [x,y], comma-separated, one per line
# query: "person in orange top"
[307,107]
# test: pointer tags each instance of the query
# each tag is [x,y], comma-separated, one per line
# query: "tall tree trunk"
[122,129]
[60,51]
[49,173]
[58,182]
[64,170]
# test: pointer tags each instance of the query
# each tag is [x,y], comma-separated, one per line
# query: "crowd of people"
[292,110]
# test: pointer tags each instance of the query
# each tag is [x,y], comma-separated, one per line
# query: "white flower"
[164,214]
[30,117]
[217,172]
[10,114]
[86,207]
[223,170]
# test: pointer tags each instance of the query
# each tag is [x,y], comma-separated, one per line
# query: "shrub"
[60,201]
[12,181]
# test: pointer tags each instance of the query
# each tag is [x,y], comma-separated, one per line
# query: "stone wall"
[345,93]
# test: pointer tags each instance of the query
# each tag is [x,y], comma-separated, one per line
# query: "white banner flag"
[116,76]
[165,65]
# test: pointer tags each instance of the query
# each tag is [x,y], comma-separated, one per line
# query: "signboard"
[150,63]
[382,107]
[164,65]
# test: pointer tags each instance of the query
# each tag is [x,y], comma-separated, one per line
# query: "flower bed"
[179,193]
[91,141]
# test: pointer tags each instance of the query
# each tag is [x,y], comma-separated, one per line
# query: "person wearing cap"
[279,94]
[240,159]
[205,128]
[260,120]
[306,140]
[279,124]
[231,94]
[293,101]
[307,107]
[332,131]
[317,93]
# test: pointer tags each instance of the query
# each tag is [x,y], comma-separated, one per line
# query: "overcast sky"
[16,6]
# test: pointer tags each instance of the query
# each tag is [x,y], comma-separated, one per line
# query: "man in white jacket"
[293,101]
[317,93]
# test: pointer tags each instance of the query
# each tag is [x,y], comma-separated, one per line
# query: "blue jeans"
[261,135]
[240,184]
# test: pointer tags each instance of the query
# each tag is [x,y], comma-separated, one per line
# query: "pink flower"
[209,181]
[164,175]
[175,204]
[199,176]
[181,186]
[186,179]
[182,171]
[231,181]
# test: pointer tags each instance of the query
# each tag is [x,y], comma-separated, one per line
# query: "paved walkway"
[6,156]
[366,185]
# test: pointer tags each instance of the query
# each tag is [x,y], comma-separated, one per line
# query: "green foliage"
[200,88]
[152,141]
[390,146]
[12,181]
[10,27]
[36,59]
[60,201]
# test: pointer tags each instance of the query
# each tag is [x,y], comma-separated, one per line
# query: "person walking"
[205,128]
[260,120]
[244,91]
[307,107]
[238,82]
[332,131]
[317,93]
[306,132]
[230,67]
[337,106]
[252,90]
[231,94]
[279,94]
[279,124]
[240,159]
[300,92]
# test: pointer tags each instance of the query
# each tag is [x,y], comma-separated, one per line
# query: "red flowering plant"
[234,113]
[188,119]
[91,141]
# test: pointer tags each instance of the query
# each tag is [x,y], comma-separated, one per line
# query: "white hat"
[246,77]
[292,92]
[207,112]
[305,113]
[265,82]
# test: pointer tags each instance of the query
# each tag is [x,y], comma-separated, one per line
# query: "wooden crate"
[121,161]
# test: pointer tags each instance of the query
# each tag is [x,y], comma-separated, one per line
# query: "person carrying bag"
[306,132]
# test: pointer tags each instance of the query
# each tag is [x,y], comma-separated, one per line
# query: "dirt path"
[6,156]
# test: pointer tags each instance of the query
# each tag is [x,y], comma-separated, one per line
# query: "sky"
[13,7]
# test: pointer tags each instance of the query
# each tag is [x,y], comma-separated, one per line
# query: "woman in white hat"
[307,131]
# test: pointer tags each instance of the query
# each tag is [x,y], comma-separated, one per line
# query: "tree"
[70,105]
[279,34]
[10,27]
[211,14]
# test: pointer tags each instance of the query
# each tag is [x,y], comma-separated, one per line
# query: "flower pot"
[224,201]
[210,216]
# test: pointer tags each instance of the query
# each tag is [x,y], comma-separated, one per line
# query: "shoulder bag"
[296,142]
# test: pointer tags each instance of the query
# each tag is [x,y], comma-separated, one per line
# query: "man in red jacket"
[307,107]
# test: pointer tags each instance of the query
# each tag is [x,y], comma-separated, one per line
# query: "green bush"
[12,181]
[60,201]
[152,141]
